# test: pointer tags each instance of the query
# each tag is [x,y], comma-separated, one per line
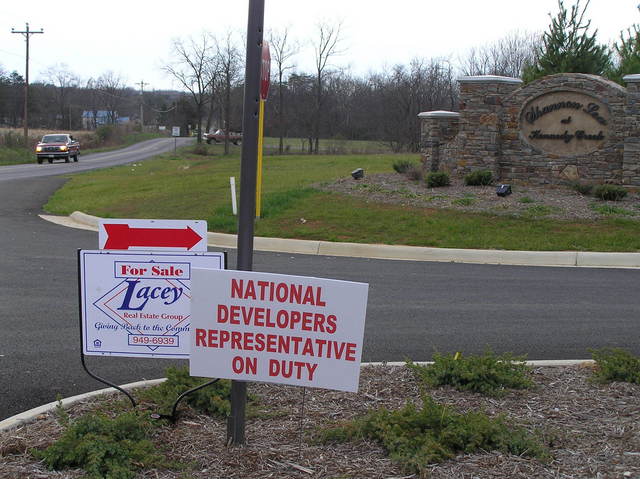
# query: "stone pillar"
[437,128]
[479,139]
[631,154]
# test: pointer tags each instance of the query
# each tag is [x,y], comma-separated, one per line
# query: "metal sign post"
[248,168]
[175,132]
[265,81]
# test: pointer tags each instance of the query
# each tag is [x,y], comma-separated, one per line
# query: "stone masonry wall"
[522,162]
[631,155]
[491,133]
[478,143]
[439,128]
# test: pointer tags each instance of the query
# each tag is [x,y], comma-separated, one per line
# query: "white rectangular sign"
[175,131]
[138,304]
[277,328]
[152,235]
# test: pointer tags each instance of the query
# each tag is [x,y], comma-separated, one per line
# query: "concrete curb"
[32,414]
[403,253]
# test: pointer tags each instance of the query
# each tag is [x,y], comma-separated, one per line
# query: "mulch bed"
[593,431]
[551,201]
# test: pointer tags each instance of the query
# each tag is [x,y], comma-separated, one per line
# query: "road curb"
[81,220]
[26,417]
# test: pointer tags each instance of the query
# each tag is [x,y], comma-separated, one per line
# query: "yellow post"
[259,175]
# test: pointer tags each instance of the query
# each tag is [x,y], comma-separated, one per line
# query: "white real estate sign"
[277,328]
[138,304]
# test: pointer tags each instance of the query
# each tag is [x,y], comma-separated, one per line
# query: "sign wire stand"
[173,416]
[301,426]
[82,360]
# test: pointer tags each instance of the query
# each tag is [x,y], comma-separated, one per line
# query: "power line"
[26,33]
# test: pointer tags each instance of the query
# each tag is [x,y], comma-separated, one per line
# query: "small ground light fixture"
[357,174]
[503,190]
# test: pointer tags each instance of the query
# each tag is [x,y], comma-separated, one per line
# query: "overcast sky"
[133,38]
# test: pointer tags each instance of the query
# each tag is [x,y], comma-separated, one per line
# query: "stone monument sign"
[565,127]
[565,123]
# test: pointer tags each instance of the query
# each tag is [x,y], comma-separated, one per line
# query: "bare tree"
[325,47]
[65,82]
[506,57]
[283,50]
[192,68]
[214,89]
[112,89]
[229,61]
[404,92]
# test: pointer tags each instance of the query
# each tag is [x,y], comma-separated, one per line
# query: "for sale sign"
[138,304]
[277,328]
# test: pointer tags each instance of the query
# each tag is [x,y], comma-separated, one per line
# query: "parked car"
[57,146]
[219,135]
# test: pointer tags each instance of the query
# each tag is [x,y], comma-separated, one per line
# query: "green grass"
[190,186]
[15,156]
[194,186]
[464,201]
[540,210]
[330,146]
[609,210]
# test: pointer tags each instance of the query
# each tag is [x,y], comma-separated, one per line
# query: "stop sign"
[265,72]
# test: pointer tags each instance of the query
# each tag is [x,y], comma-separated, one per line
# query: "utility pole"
[248,173]
[142,85]
[27,33]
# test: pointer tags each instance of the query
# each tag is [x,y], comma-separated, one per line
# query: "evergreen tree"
[628,52]
[568,47]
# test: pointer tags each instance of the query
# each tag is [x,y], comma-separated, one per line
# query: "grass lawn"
[16,156]
[190,186]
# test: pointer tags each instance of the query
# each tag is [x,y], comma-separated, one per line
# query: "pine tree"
[568,47]
[628,50]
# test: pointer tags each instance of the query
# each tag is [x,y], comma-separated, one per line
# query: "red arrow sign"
[121,236]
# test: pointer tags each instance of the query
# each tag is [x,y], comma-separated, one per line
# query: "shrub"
[615,364]
[434,433]
[105,133]
[487,374]
[479,178]
[12,139]
[104,447]
[200,149]
[609,192]
[402,166]
[526,199]
[414,173]
[582,188]
[436,179]
[212,399]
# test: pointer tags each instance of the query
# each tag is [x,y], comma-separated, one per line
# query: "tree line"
[326,102]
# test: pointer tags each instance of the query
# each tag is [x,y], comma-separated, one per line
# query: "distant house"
[93,119]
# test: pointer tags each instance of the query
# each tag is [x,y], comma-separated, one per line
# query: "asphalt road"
[136,152]
[415,308]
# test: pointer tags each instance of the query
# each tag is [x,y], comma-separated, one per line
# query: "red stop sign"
[265,72]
